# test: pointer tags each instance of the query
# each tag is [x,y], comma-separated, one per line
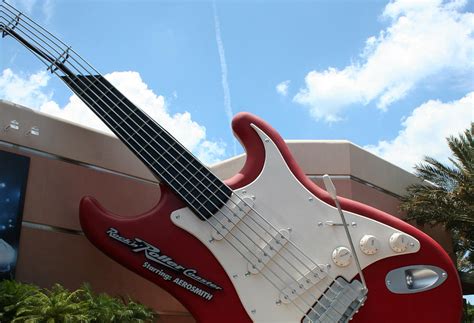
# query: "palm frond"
[447,196]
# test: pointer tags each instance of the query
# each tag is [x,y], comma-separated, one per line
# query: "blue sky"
[395,78]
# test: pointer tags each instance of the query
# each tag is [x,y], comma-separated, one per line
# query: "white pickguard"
[286,204]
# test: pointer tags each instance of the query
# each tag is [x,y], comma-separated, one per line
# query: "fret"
[119,107]
[157,132]
[153,152]
[120,112]
[171,165]
[143,148]
[159,151]
[140,128]
[102,95]
[184,187]
[178,161]
[115,117]
[136,134]
[173,181]
[201,185]
[199,175]
[125,130]
[138,116]
[98,94]
[83,91]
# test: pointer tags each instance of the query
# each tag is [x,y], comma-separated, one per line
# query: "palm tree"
[446,197]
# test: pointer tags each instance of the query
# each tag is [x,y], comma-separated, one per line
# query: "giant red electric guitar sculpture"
[265,245]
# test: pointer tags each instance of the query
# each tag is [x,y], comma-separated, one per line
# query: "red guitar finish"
[441,304]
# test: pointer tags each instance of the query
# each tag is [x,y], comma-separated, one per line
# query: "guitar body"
[174,249]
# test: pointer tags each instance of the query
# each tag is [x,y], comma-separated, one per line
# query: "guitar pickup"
[230,215]
[299,287]
[263,255]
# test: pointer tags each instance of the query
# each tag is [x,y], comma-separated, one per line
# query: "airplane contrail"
[225,82]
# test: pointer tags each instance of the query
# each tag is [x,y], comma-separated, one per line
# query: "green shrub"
[103,308]
[11,294]
[30,304]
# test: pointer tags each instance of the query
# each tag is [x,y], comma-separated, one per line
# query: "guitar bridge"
[339,303]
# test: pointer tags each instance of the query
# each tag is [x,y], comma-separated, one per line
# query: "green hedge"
[30,304]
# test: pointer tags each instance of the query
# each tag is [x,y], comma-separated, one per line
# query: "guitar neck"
[159,150]
[169,161]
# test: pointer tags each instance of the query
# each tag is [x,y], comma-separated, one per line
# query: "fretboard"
[173,164]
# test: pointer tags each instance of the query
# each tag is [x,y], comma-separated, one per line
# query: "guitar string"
[180,173]
[236,248]
[114,120]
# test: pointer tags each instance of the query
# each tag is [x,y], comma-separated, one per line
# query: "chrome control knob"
[369,244]
[399,242]
[342,256]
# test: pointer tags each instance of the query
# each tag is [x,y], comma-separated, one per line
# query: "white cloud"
[30,7]
[27,91]
[210,151]
[48,9]
[23,5]
[30,92]
[424,38]
[282,87]
[425,130]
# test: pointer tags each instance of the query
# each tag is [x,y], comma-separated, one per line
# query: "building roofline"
[72,141]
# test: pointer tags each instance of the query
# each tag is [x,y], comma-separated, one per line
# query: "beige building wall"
[69,161]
